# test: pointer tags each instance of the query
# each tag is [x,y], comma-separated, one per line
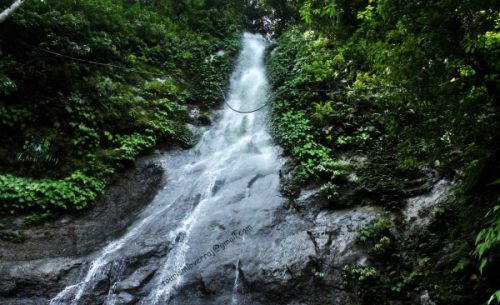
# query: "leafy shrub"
[75,192]
[360,274]
[374,230]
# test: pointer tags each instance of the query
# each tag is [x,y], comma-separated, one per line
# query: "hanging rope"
[240,111]
[91,62]
[269,99]
[96,63]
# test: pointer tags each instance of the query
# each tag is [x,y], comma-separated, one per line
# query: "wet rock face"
[79,235]
[296,257]
[279,261]
[27,273]
[302,260]
[425,299]
[30,282]
[420,210]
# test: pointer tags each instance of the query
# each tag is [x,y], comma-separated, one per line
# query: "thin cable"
[268,99]
[151,73]
[338,91]
[83,60]
[241,111]
[245,112]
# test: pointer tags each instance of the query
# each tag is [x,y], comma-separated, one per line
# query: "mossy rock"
[12,236]
[204,119]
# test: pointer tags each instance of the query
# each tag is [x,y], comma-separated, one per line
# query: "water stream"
[215,197]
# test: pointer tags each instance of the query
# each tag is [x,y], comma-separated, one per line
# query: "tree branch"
[10,10]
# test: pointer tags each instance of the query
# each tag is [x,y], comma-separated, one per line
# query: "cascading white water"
[224,147]
[209,186]
[236,285]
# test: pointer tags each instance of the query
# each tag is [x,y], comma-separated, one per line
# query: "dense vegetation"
[86,86]
[373,96]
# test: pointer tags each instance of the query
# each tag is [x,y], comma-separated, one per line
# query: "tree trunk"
[10,10]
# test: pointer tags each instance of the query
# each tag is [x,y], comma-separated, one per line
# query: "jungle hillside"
[373,102]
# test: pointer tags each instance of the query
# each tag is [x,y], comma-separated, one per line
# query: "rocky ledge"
[77,235]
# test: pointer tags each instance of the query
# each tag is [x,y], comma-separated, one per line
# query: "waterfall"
[214,194]
[236,285]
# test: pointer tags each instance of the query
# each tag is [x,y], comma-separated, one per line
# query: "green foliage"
[38,218]
[494,298]
[296,133]
[14,237]
[363,281]
[318,274]
[410,86]
[405,281]
[300,123]
[374,229]
[68,125]
[382,245]
[75,192]
[360,274]
[488,239]
[380,87]
[37,153]
[378,235]
[130,145]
